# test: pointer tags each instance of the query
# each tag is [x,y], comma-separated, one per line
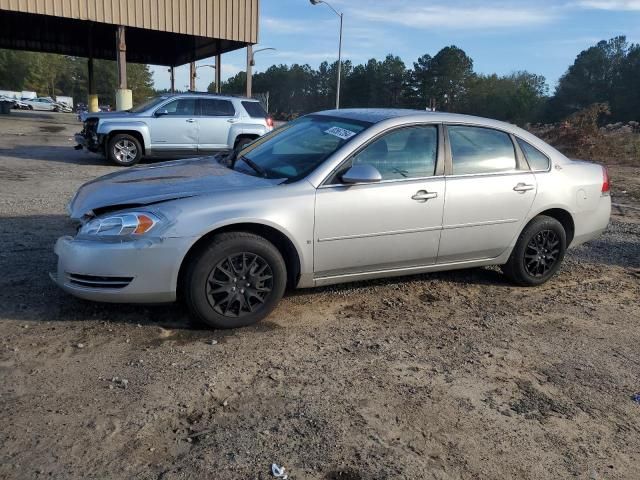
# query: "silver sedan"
[335,196]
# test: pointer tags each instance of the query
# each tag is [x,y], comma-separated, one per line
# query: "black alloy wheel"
[234,280]
[538,252]
[239,284]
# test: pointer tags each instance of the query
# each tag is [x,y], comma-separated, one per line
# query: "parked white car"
[46,104]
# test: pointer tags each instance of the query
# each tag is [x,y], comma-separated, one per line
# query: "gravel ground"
[444,376]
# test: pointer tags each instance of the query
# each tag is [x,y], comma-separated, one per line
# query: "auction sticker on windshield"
[342,133]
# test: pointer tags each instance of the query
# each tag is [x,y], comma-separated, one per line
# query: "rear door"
[174,126]
[216,117]
[489,192]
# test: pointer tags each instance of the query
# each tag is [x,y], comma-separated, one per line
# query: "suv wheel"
[538,253]
[124,150]
[237,280]
[242,142]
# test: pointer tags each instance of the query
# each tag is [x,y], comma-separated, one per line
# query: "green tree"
[596,76]
[450,71]
[517,98]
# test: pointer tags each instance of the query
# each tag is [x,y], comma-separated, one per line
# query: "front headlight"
[122,225]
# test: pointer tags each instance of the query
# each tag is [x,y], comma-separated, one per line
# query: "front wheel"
[237,280]
[124,150]
[538,253]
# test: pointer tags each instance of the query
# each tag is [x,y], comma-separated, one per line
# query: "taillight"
[606,186]
[269,122]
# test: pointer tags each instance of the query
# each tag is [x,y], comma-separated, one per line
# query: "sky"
[501,36]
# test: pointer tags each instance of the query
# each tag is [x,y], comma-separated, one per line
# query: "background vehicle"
[178,124]
[333,197]
[20,105]
[46,104]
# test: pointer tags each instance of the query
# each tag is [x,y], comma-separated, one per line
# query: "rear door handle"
[190,120]
[423,195]
[523,187]
[233,120]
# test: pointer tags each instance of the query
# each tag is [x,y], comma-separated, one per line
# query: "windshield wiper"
[258,169]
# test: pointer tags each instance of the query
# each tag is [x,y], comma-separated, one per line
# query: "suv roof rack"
[228,95]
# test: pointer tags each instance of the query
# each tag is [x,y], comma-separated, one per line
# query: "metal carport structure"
[160,32]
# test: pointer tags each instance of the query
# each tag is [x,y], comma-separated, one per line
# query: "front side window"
[478,150]
[537,160]
[181,106]
[212,107]
[295,150]
[403,154]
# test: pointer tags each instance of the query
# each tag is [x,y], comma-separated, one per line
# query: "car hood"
[161,182]
[107,115]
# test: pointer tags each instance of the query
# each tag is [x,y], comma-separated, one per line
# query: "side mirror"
[162,112]
[362,173]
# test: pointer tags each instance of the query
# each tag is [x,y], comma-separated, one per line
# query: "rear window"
[538,161]
[254,109]
[213,107]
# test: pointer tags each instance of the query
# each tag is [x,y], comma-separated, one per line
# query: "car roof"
[376,115]
[208,94]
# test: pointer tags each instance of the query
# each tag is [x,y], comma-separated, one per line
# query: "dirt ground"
[443,376]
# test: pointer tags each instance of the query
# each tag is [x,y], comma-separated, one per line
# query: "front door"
[489,195]
[216,118]
[395,223]
[174,127]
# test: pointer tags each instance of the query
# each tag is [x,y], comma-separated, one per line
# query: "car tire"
[242,142]
[124,150]
[538,253]
[235,281]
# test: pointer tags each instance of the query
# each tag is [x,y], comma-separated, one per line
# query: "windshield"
[147,105]
[296,149]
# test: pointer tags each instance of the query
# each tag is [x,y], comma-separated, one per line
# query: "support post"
[92,100]
[339,65]
[192,76]
[124,99]
[218,73]
[172,73]
[249,69]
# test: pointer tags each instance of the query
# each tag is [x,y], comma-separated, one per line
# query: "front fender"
[106,128]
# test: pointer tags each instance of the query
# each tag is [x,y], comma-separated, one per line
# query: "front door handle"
[233,120]
[190,120]
[423,195]
[523,187]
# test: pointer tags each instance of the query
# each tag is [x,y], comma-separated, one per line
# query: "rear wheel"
[242,142]
[237,280]
[124,150]
[538,253]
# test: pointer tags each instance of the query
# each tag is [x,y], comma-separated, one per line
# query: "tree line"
[608,72]
[50,75]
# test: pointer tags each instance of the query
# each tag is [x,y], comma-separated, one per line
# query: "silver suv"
[174,125]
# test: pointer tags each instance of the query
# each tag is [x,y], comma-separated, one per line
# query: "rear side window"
[537,160]
[254,109]
[478,150]
[213,107]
